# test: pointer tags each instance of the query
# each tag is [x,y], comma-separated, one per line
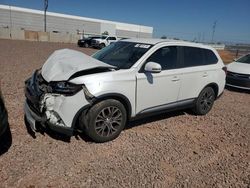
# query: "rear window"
[198,57]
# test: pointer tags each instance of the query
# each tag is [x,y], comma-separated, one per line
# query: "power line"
[46,4]
[214,27]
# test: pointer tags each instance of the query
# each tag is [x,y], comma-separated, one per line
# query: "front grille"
[238,79]
[238,75]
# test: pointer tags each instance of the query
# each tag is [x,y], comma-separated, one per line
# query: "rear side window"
[192,56]
[166,57]
[111,38]
[198,57]
[209,57]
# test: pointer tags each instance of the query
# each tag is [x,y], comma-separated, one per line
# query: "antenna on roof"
[46,4]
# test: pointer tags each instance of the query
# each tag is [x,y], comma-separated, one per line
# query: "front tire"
[205,101]
[105,120]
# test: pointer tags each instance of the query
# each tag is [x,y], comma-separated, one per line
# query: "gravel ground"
[170,150]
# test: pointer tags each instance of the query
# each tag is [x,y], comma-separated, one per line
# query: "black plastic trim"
[169,106]
[238,81]
[64,130]
[77,115]
[180,105]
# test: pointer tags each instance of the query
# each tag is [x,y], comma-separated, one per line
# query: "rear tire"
[105,120]
[205,101]
[102,45]
[86,45]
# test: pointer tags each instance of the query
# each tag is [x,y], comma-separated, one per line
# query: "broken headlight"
[65,88]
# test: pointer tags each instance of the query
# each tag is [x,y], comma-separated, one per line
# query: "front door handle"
[175,79]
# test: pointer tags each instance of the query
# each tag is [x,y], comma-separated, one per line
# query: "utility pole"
[46,4]
[214,27]
[10,29]
[203,37]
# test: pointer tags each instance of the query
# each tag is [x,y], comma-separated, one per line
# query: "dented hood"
[62,64]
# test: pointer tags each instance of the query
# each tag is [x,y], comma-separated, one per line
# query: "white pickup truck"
[104,41]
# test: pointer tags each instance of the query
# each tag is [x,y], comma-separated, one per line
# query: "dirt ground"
[175,149]
[227,56]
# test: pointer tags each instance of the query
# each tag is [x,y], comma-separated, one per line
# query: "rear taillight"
[224,69]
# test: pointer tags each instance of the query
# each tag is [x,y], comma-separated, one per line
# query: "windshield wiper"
[114,68]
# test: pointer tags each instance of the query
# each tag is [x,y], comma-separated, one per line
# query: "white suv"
[103,41]
[125,80]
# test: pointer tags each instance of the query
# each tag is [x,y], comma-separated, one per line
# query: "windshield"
[244,59]
[103,37]
[94,37]
[122,55]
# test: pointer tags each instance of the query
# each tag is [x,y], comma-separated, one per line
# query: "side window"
[111,38]
[210,57]
[193,56]
[166,57]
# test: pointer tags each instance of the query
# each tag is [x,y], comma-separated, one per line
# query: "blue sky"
[185,19]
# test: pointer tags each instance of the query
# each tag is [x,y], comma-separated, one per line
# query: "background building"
[16,18]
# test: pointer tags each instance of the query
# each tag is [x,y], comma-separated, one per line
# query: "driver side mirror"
[153,67]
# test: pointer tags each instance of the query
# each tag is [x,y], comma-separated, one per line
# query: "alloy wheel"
[108,121]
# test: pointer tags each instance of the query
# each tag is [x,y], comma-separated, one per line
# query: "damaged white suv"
[125,80]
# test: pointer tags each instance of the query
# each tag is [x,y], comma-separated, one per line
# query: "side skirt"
[184,104]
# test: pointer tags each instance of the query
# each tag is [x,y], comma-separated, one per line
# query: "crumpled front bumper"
[56,111]
[35,120]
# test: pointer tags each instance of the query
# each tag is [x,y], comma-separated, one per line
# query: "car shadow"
[5,140]
[140,121]
[45,131]
[82,136]
[238,90]
[155,117]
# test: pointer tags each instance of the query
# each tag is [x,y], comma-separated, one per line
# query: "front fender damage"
[60,110]
[50,105]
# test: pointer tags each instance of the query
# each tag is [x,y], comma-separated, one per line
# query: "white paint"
[241,68]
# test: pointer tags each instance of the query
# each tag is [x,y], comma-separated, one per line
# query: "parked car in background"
[128,79]
[3,116]
[86,42]
[238,74]
[104,41]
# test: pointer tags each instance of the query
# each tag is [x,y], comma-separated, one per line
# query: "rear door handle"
[175,79]
[205,74]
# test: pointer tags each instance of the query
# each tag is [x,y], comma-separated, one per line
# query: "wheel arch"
[117,96]
[102,43]
[121,98]
[214,86]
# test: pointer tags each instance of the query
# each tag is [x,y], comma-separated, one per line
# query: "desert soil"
[175,149]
